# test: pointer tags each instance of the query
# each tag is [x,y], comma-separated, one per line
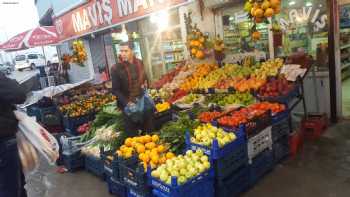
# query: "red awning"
[40,36]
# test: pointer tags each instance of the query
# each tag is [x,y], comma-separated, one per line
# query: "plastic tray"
[259,143]
[215,152]
[194,187]
[281,149]
[280,129]
[94,165]
[115,187]
[232,162]
[233,185]
[73,161]
[261,165]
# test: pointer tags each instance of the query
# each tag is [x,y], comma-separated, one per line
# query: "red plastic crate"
[314,126]
[296,143]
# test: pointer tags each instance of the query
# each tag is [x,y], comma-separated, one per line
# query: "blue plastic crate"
[71,124]
[280,149]
[193,187]
[233,185]
[108,164]
[283,99]
[280,116]
[115,187]
[260,166]
[33,110]
[230,163]
[280,129]
[73,161]
[94,165]
[253,126]
[134,193]
[132,174]
[215,152]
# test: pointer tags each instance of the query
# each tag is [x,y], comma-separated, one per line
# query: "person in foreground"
[128,84]
[11,176]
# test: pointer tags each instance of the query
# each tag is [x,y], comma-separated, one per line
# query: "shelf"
[345,46]
[175,62]
[175,51]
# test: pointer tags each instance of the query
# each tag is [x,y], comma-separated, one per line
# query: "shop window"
[304,27]
[164,48]
[237,35]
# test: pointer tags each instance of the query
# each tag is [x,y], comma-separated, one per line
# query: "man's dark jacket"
[10,94]
[120,81]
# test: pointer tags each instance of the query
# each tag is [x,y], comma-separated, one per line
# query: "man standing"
[128,83]
[11,176]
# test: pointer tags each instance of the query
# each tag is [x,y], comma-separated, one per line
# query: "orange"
[258,20]
[119,153]
[192,43]
[150,145]
[259,13]
[144,165]
[252,11]
[155,159]
[170,155]
[123,148]
[201,39]
[162,160]
[128,142]
[200,54]
[161,149]
[275,3]
[277,10]
[147,138]
[196,43]
[193,51]
[266,4]
[268,12]
[256,35]
[155,138]
[140,148]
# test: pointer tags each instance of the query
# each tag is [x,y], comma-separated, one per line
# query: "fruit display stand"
[94,165]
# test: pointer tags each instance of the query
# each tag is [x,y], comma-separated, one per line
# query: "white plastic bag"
[39,137]
[27,153]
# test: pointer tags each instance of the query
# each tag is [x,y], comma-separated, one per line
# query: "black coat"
[10,94]
[120,82]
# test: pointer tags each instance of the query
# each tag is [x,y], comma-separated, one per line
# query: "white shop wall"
[78,73]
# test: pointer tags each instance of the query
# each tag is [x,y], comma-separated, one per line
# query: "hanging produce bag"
[144,105]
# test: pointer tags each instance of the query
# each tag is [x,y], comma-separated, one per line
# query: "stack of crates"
[229,162]
[71,153]
[280,138]
[94,165]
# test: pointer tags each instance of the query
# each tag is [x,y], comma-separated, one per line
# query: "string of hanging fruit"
[79,53]
[259,11]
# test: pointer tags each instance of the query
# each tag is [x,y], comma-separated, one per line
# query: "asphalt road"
[23,76]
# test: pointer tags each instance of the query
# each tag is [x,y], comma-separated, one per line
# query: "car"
[30,60]
[5,69]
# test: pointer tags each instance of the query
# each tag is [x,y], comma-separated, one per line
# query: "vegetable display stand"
[215,152]
[71,124]
[259,143]
[94,165]
[73,161]
[133,175]
[280,129]
[115,187]
[234,184]
[198,186]
[281,149]
[261,165]
[295,92]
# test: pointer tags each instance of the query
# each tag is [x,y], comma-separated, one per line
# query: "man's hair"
[129,44]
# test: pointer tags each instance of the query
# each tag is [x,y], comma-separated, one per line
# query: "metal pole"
[42,47]
[333,20]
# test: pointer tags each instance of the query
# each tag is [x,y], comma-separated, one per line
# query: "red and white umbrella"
[39,36]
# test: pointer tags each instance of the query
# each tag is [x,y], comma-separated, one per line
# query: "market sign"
[101,14]
[306,14]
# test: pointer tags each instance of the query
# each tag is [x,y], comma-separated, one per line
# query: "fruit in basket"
[148,150]
[183,167]
[230,99]
[267,69]
[197,43]
[208,116]
[206,133]
[276,87]
[251,83]
[190,98]
[193,80]
[274,107]
[161,107]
